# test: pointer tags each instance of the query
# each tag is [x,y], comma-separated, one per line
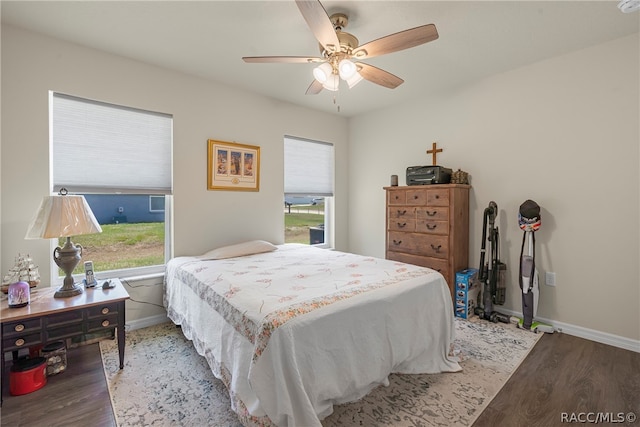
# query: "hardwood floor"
[566,378]
[561,375]
[76,398]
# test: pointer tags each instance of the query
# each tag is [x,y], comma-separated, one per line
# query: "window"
[120,159]
[308,191]
[156,203]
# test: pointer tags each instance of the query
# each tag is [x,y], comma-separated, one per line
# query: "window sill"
[130,274]
[138,278]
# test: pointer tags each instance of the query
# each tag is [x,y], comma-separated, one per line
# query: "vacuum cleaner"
[529,221]
[492,274]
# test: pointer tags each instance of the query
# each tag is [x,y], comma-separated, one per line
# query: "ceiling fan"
[341,55]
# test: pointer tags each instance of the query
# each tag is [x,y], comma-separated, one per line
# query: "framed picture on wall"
[232,166]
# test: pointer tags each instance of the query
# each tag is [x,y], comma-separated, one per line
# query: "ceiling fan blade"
[397,41]
[319,23]
[281,59]
[379,76]
[314,88]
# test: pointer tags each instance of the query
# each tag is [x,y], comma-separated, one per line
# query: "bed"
[294,330]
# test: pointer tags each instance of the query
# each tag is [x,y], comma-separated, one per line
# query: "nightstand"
[48,319]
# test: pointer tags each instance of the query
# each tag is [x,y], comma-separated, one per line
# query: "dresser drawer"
[433,227]
[435,246]
[419,244]
[397,197]
[438,197]
[437,264]
[21,327]
[416,197]
[21,341]
[402,224]
[437,213]
[401,212]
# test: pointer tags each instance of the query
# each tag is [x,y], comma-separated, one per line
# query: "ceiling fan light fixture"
[332,83]
[346,69]
[354,80]
[628,6]
[323,72]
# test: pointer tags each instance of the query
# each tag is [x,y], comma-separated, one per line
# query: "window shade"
[308,167]
[100,147]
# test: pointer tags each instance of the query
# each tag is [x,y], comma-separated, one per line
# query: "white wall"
[32,65]
[563,132]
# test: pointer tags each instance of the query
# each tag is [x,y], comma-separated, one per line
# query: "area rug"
[166,383]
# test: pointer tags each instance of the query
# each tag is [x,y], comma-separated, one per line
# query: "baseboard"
[589,334]
[146,322]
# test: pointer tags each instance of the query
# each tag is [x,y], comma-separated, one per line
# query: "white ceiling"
[208,39]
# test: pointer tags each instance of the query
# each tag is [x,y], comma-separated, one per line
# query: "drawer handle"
[19,328]
[402,225]
[397,197]
[437,196]
[105,323]
[431,226]
[105,310]
[19,342]
[436,248]
[400,213]
[397,242]
[432,213]
[415,197]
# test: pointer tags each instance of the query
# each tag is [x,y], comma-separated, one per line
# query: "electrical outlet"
[550,278]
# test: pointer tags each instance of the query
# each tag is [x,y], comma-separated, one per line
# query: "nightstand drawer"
[21,341]
[21,327]
[64,318]
[102,310]
[102,323]
[65,331]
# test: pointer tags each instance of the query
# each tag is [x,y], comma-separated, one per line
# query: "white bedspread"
[295,331]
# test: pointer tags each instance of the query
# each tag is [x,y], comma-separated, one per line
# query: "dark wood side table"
[48,319]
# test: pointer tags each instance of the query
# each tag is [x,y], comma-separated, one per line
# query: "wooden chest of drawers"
[429,226]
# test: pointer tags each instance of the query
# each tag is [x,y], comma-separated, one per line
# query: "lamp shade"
[62,216]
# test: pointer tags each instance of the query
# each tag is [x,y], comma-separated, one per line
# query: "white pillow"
[240,249]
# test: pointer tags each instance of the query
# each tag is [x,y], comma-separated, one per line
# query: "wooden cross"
[434,152]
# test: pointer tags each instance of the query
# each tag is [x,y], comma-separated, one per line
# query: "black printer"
[421,175]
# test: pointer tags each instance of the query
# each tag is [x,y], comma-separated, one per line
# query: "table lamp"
[64,215]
